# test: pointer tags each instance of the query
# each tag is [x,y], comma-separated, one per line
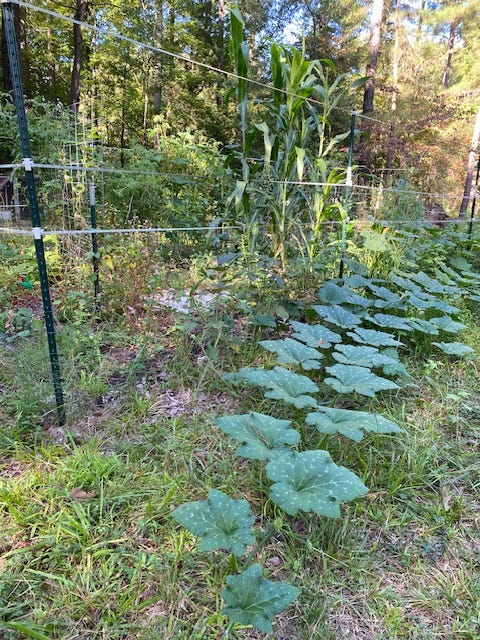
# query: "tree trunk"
[395,62]
[373,55]
[472,157]
[448,64]
[81,9]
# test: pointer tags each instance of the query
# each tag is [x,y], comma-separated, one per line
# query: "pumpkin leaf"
[374,337]
[291,351]
[445,323]
[340,317]
[332,293]
[314,335]
[350,424]
[250,599]
[261,437]
[349,378]
[220,522]
[432,285]
[390,321]
[423,326]
[454,348]
[280,383]
[311,481]
[362,356]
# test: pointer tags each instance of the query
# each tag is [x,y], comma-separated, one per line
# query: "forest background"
[421,58]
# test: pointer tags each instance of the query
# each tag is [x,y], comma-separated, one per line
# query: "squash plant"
[366,362]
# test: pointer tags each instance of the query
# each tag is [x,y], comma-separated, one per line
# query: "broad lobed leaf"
[311,481]
[250,599]
[220,522]
[261,437]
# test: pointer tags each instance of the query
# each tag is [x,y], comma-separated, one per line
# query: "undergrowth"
[89,548]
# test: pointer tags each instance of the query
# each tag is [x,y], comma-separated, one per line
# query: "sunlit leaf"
[314,335]
[340,317]
[280,383]
[361,380]
[423,326]
[311,481]
[220,522]
[293,352]
[390,321]
[351,424]
[250,599]
[374,337]
[261,437]
[454,348]
[445,323]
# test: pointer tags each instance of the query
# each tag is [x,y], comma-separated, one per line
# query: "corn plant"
[287,193]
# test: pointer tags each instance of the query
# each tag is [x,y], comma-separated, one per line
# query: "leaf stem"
[269,533]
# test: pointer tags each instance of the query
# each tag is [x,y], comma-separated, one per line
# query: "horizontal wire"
[366,188]
[72,232]
[391,223]
[62,167]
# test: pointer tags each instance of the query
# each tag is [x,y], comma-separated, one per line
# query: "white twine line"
[67,167]
[72,232]
[365,188]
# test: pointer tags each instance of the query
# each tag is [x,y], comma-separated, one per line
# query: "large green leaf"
[291,351]
[362,356]
[220,522]
[311,481]
[385,293]
[445,323]
[314,335]
[349,378]
[423,326]
[374,337]
[390,321]
[281,384]
[404,283]
[433,286]
[340,317]
[331,293]
[351,424]
[250,599]
[261,437]
[429,301]
[454,348]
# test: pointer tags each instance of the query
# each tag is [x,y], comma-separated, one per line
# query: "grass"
[88,549]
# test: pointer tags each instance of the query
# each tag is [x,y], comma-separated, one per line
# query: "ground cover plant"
[161,426]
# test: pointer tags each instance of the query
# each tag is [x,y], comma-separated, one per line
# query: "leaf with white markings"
[220,522]
[392,322]
[314,335]
[350,424]
[340,317]
[423,326]
[311,481]
[445,323]
[291,351]
[261,437]
[359,379]
[374,337]
[250,599]
[362,356]
[280,383]
[454,348]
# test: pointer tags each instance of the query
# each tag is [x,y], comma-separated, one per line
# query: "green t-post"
[14,63]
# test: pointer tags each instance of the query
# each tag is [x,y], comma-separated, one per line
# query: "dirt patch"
[10,468]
